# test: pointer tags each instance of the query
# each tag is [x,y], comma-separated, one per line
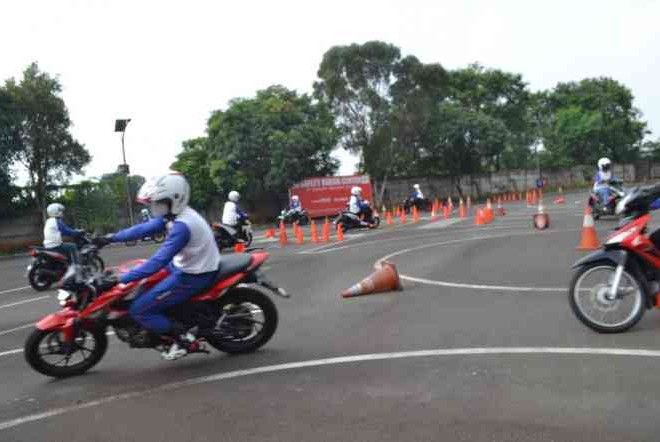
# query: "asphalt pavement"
[479,346]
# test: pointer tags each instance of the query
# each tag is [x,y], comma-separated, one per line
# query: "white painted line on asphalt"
[15,329]
[473,286]
[14,304]
[493,351]
[17,289]
[11,352]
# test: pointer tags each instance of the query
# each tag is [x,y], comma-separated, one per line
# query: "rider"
[357,206]
[55,228]
[416,197]
[295,206]
[232,215]
[602,178]
[189,250]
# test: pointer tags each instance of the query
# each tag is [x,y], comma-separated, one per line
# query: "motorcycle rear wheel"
[51,341]
[240,331]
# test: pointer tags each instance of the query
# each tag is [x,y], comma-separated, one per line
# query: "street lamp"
[120,126]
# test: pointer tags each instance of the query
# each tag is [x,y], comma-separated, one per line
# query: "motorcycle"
[227,237]
[157,238]
[348,220]
[614,194]
[301,217]
[612,288]
[423,204]
[234,316]
[48,266]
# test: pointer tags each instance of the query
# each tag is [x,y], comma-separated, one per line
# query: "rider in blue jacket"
[189,251]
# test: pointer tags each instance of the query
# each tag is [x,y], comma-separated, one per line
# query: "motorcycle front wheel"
[46,352]
[589,298]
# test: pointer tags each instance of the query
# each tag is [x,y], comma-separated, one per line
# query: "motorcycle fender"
[62,320]
[617,256]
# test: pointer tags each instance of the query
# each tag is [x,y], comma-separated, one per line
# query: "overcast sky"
[167,65]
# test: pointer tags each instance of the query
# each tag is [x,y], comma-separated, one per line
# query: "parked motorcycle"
[234,316]
[615,193]
[301,217]
[157,238]
[349,220]
[613,287]
[48,267]
[227,237]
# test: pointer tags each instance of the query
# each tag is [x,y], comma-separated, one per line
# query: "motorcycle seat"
[232,264]
[54,255]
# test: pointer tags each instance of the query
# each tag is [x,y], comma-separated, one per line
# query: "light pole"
[120,126]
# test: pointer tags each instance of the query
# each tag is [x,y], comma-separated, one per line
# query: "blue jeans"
[67,249]
[149,308]
[603,194]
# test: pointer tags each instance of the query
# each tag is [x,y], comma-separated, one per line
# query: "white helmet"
[357,191]
[294,198]
[234,196]
[172,189]
[416,186]
[55,210]
[604,164]
[145,212]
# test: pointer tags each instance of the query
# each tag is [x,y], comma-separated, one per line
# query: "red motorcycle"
[613,287]
[234,316]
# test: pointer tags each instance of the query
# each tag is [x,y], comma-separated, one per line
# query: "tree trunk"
[381,192]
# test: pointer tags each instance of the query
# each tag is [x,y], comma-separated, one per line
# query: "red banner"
[327,196]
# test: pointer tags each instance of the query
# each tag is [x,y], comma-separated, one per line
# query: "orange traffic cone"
[489,216]
[415,215]
[434,214]
[239,247]
[450,204]
[270,233]
[340,232]
[589,240]
[461,209]
[388,218]
[445,212]
[315,235]
[384,279]
[469,202]
[326,230]
[283,238]
[479,218]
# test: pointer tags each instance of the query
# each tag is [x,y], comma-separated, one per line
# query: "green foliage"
[35,129]
[590,119]
[261,145]
[92,206]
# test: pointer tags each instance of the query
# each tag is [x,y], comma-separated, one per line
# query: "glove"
[107,282]
[102,241]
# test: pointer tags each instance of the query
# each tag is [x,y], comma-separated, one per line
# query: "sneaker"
[181,346]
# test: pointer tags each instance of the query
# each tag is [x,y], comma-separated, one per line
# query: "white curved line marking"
[15,329]
[497,351]
[472,286]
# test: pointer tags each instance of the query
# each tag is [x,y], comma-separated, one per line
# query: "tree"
[41,140]
[462,140]
[381,102]
[261,145]
[591,119]
[503,96]
[195,163]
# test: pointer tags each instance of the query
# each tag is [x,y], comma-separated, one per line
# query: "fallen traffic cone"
[560,200]
[315,236]
[541,219]
[384,279]
[340,232]
[270,233]
[326,230]
[283,238]
[589,239]
[239,247]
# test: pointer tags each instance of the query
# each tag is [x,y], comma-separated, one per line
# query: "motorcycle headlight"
[64,297]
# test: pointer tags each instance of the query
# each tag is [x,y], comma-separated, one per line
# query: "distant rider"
[602,179]
[357,206]
[232,215]
[55,228]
